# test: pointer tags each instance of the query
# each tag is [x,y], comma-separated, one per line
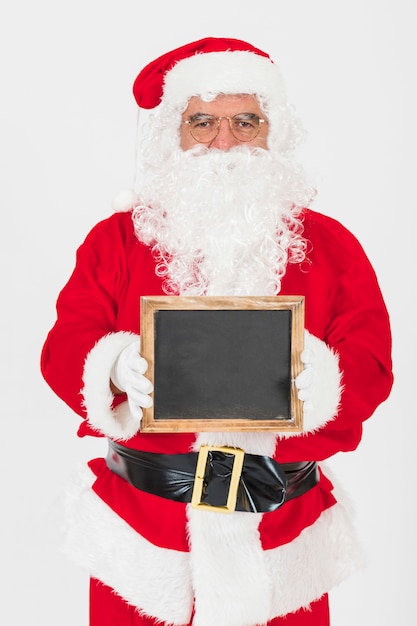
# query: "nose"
[224,139]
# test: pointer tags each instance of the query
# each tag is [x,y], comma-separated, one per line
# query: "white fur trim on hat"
[116,423]
[233,72]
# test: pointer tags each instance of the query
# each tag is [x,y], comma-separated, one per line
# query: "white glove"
[127,374]
[305,380]
[319,385]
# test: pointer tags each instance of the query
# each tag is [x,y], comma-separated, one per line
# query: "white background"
[67,144]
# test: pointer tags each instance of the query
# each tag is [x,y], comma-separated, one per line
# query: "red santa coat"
[162,556]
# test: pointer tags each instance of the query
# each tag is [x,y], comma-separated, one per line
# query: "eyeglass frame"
[229,119]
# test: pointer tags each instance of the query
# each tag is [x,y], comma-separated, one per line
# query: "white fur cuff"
[98,399]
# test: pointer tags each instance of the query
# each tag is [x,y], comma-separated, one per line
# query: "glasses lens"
[245,126]
[203,127]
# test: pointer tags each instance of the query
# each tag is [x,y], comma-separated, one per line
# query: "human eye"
[246,122]
[202,122]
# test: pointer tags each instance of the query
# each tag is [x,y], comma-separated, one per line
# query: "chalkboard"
[222,363]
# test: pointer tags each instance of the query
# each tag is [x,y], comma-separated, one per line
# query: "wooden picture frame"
[222,363]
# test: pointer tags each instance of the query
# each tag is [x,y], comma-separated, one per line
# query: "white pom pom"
[125,200]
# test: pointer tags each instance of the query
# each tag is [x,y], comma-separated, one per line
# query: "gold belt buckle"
[230,505]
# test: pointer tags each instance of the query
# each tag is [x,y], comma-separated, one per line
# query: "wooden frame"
[206,357]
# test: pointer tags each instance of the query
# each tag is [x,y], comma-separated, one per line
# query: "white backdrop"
[67,144]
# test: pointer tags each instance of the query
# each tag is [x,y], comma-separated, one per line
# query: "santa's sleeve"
[352,362]
[85,340]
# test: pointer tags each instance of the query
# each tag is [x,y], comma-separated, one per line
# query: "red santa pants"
[108,609]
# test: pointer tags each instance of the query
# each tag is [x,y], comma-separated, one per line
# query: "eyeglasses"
[205,128]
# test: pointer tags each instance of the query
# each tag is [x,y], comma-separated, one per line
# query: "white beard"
[222,223]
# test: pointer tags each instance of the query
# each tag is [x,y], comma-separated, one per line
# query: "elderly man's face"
[198,115]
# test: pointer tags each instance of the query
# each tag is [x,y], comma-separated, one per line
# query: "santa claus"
[220,208]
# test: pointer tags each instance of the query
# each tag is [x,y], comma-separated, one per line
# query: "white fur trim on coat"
[233,580]
[239,584]
[116,423]
[154,579]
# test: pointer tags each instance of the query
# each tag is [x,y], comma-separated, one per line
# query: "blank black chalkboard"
[222,363]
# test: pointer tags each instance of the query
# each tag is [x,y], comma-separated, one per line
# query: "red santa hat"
[210,65]
[206,68]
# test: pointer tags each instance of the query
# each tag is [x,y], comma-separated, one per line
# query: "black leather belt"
[216,478]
